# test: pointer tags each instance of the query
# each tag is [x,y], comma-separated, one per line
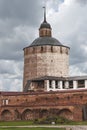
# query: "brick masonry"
[28,106]
[46,60]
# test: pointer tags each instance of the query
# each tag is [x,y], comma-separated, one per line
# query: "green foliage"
[31,128]
[50,120]
[62,120]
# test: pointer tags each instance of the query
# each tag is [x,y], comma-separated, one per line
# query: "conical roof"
[45,25]
[45,41]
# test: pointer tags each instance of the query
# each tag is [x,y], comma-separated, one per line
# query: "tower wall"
[45,60]
[45,32]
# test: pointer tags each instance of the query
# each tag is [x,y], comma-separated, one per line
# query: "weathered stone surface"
[45,61]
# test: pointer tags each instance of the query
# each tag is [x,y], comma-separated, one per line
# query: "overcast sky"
[19,24]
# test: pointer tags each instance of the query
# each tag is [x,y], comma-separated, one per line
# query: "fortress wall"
[68,104]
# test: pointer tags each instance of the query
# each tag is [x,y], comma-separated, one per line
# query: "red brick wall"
[68,104]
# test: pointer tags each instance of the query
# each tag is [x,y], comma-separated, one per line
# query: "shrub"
[49,120]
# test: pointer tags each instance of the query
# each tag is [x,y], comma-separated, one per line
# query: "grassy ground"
[25,123]
[16,123]
[32,129]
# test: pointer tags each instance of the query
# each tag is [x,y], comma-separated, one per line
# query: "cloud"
[70,25]
[20,12]
[11,75]
[18,23]
[1,85]
[10,85]
[18,20]
[11,47]
[82,2]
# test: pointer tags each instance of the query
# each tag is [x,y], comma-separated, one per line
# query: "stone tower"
[46,56]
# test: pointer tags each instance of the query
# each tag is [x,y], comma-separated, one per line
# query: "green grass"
[32,129]
[16,123]
[26,123]
[77,123]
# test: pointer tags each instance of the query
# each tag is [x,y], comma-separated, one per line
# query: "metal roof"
[45,25]
[49,78]
[78,78]
[45,41]
[60,78]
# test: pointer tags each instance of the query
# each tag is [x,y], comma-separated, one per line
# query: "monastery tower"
[48,91]
[45,56]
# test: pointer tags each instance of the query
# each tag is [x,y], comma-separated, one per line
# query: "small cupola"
[45,28]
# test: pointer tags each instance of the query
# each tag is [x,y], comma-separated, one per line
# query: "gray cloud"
[54,4]
[82,1]
[6,67]
[18,22]
[20,11]
[17,18]
[11,75]
[11,46]
[70,25]
[11,68]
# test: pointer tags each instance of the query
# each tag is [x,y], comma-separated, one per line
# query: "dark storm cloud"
[11,46]
[18,22]
[20,11]
[17,19]
[11,51]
